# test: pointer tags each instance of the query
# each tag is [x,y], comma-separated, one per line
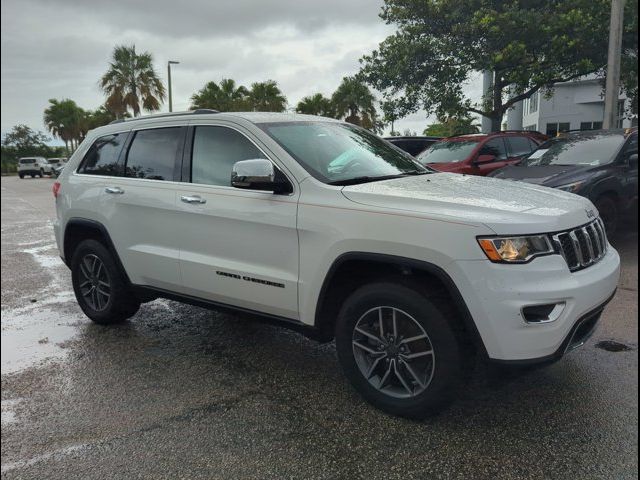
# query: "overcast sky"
[59,49]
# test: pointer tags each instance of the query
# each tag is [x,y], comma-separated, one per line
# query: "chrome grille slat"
[583,246]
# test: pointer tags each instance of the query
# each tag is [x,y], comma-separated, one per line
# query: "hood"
[505,207]
[547,175]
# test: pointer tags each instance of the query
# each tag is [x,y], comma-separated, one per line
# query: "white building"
[575,105]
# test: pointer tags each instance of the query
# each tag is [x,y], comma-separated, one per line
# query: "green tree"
[354,102]
[526,45]
[131,82]
[447,127]
[66,121]
[267,97]
[225,97]
[102,116]
[316,104]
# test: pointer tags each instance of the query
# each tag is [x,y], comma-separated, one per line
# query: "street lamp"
[169,63]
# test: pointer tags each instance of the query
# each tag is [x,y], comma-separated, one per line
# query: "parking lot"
[182,392]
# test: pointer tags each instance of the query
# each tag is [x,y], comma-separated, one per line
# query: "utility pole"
[169,63]
[612,90]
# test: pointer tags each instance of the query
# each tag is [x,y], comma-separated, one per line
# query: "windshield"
[596,149]
[448,152]
[337,153]
[53,161]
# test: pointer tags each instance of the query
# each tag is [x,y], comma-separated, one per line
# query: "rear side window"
[215,150]
[495,147]
[519,146]
[102,157]
[152,154]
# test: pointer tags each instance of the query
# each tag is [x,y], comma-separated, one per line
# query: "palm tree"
[267,97]
[66,121]
[131,82]
[316,104]
[354,100]
[225,97]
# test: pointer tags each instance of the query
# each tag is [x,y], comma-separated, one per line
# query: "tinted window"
[27,161]
[215,150]
[102,157]
[585,149]
[448,151]
[153,152]
[495,147]
[519,146]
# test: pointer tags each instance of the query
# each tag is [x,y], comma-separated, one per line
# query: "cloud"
[60,49]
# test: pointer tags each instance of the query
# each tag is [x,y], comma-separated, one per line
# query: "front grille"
[582,246]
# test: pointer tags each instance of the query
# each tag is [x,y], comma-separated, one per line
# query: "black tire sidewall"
[447,376]
[121,304]
[608,205]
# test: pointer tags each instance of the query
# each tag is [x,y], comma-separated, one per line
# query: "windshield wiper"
[366,179]
[357,180]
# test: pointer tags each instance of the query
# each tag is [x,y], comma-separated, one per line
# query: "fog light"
[542,313]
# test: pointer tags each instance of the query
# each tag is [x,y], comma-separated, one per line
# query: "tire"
[33,175]
[440,374]
[120,303]
[21,175]
[41,173]
[610,214]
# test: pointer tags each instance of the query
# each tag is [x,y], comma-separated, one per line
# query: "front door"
[239,247]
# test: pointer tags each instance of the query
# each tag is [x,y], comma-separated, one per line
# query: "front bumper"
[496,294]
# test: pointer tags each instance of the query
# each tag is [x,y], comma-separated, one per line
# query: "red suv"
[480,154]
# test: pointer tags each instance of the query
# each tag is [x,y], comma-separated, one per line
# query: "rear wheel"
[100,287]
[21,175]
[609,213]
[41,173]
[399,350]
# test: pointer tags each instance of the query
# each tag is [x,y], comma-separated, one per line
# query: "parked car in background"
[601,165]
[413,145]
[480,154]
[57,170]
[55,162]
[34,166]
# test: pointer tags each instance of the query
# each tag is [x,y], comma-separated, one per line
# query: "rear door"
[238,247]
[496,147]
[140,207]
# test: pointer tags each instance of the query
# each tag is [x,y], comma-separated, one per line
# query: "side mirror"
[485,159]
[633,160]
[259,174]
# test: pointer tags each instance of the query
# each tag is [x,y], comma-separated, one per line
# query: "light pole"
[612,89]
[169,63]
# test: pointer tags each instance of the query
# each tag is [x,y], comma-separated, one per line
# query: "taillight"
[56,189]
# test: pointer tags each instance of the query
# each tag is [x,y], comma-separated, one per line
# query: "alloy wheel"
[393,352]
[95,286]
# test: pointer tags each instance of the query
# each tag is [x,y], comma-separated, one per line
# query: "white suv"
[33,166]
[321,226]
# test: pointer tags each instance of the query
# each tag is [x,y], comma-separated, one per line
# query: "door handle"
[114,190]
[193,199]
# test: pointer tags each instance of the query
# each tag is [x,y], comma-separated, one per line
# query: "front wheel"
[608,209]
[41,173]
[398,349]
[100,287]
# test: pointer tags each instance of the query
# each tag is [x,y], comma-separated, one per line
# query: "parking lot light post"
[169,63]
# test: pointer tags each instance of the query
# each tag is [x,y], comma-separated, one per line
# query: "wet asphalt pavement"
[181,392]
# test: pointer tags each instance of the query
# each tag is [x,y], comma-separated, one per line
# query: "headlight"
[570,187]
[515,249]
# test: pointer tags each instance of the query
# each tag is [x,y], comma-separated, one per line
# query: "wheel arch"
[353,269]
[79,229]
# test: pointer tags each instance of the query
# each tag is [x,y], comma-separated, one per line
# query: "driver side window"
[215,151]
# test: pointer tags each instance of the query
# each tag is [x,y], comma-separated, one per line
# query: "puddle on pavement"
[31,337]
[613,346]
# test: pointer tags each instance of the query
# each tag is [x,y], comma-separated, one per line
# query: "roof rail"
[163,115]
